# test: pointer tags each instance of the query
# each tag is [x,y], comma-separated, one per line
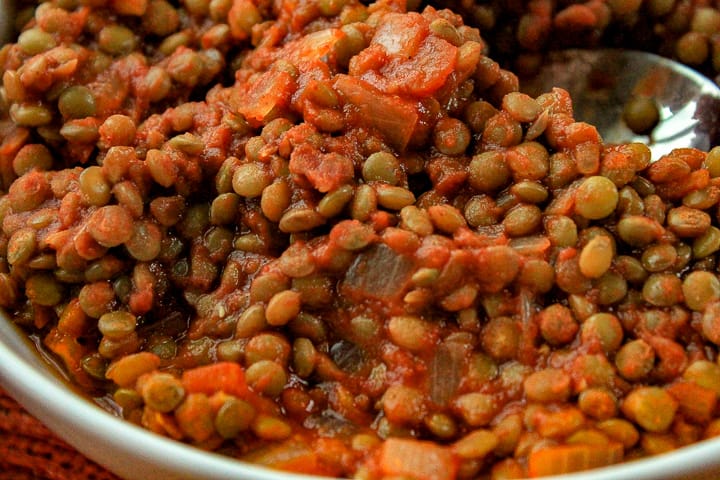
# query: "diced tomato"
[424,73]
[312,47]
[225,377]
[269,95]
[446,174]
[401,34]
[392,116]
[325,171]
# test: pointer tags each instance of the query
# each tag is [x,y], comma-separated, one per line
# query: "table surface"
[29,451]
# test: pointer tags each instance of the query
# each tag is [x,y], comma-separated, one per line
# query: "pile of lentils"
[521,30]
[335,238]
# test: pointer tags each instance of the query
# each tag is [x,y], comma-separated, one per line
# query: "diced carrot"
[389,115]
[225,377]
[293,455]
[70,352]
[572,458]
[417,459]
[73,320]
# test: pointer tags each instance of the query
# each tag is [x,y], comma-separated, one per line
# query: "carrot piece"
[73,320]
[572,458]
[70,352]
[292,455]
[417,459]
[225,377]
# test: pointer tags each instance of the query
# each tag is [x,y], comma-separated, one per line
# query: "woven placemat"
[29,451]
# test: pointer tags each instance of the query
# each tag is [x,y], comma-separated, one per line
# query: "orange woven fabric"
[29,451]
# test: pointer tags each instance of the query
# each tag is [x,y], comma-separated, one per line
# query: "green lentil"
[700,288]
[117,40]
[76,102]
[162,392]
[596,198]
[233,417]
[266,377]
[596,257]
[603,328]
[117,324]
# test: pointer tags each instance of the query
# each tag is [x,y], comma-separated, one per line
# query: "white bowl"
[137,454]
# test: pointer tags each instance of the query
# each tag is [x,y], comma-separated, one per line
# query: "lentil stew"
[336,239]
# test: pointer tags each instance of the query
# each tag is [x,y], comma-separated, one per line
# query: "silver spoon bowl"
[602,81]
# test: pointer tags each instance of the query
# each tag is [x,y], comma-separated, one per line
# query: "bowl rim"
[49,399]
[22,377]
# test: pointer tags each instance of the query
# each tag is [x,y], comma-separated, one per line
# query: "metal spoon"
[600,83]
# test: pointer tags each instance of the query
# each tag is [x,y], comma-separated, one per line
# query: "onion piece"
[390,115]
[379,273]
[446,369]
